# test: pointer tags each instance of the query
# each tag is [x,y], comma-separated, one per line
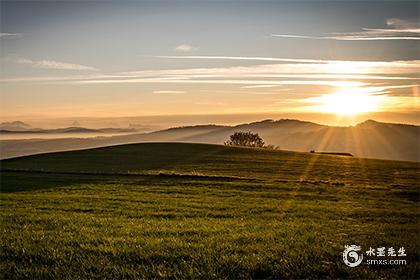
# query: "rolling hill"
[369,139]
[217,160]
[178,210]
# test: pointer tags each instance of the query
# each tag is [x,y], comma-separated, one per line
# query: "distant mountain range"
[70,130]
[370,139]
[14,126]
[21,127]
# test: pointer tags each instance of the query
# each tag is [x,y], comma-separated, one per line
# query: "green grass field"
[194,211]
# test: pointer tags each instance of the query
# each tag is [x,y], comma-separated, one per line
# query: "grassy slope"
[267,214]
[220,160]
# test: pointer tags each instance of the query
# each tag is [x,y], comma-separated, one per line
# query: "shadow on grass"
[11,181]
[20,180]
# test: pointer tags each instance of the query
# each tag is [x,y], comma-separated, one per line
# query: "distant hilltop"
[67,130]
[14,126]
[369,139]
[22,128]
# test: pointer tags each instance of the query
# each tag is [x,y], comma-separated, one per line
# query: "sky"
[334,62]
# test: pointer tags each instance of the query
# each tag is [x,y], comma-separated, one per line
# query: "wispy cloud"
[260,86]
[379,71]
[226,81]
[52,64]
[10,35]
[239,58]
[340,66]
[403,24]
[378,77]
[185,48]
[295,77]
[300,79]
[169,91]
[397,30]
[367,35]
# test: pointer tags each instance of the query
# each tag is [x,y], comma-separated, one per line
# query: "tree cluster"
[245,139]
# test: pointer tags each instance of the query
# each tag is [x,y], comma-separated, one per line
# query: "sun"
[348,102]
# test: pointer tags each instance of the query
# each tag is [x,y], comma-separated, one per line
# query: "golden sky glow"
[264,59]
[348,101]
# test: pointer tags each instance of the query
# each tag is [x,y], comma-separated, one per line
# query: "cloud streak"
[347,37]
[375,77]
[293,77]
[10,35]
[278,59]
[185,48]
[379,71]
[345,64]
[397,30]
[169,91]
[52,64]
[227,81]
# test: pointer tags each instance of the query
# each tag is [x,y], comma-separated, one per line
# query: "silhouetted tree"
[246,139]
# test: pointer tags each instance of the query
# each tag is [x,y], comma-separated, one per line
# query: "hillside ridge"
[369,139]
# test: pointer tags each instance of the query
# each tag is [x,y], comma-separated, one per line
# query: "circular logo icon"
[351,257]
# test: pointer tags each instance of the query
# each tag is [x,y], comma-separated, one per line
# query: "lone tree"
[246,139]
